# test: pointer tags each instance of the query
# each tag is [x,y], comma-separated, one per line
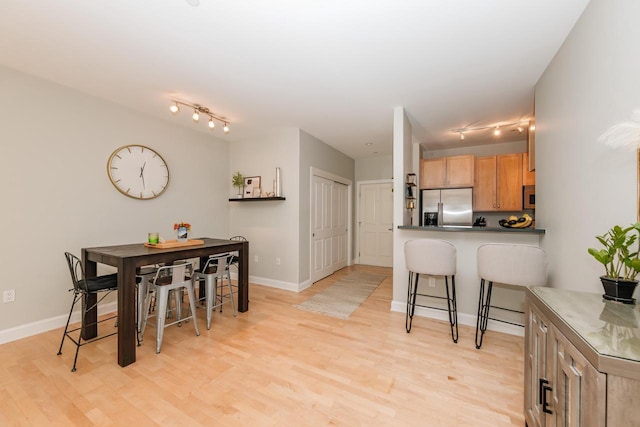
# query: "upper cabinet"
[447,172]
[528,176]
[498,183]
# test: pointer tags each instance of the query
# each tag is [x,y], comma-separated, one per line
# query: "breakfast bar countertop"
[473,229]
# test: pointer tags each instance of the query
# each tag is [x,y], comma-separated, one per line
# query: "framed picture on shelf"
[252,186]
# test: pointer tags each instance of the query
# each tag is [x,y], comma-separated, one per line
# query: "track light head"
[461,136]
[174,108]
[211,124]
[497,131]
[226,128]
[196,116]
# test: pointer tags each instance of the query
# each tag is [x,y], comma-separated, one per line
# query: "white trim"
[277,284]
[463,319]
[45,325]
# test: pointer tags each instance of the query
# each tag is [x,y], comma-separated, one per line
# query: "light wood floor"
[274,366]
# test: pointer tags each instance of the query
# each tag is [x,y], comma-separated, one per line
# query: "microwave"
[529,197]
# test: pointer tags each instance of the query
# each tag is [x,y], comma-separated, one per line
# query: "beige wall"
[57,197]
[270,226]
[583,186]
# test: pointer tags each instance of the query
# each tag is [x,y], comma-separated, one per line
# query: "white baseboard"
[45,325]
[463,318]
[278,284]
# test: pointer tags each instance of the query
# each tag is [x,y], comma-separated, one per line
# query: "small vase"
[182,234]
[618,289]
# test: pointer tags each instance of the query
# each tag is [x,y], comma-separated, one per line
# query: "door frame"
[342,180]
[357,233]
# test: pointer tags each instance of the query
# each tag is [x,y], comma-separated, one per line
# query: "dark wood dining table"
[128,258]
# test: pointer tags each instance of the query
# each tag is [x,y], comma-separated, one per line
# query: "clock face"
[138,171]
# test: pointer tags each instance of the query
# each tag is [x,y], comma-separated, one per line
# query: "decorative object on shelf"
[410,194]
[497,128]
[277,190]
[258,199]
[513,221]
[182,231]
[197,110]
[252,187]
[621,263]
[138,172]
[238,181]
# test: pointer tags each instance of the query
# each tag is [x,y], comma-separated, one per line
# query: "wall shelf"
[256,199]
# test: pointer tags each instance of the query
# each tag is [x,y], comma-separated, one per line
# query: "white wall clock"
[138,172]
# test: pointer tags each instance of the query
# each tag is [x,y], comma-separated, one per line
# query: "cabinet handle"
[542,397]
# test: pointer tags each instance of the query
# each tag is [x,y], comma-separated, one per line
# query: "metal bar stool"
[509,264]
[431,257]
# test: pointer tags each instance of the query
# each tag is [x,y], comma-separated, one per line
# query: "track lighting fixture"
[497,129]
[197,110]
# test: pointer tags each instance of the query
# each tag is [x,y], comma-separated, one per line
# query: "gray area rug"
[343,297]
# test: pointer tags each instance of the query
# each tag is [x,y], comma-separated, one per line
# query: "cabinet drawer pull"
[542,397]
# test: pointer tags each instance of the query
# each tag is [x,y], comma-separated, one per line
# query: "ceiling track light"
[197,111]
[519,126]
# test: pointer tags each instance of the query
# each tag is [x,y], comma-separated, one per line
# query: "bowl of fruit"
[514,222]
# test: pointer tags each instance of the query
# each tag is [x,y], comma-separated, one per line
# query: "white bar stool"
[510,264]
[431,257]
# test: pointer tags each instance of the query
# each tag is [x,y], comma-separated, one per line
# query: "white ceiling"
[334,68]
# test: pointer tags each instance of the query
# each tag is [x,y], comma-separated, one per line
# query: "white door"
[329,213]
[376,224]
[339,225]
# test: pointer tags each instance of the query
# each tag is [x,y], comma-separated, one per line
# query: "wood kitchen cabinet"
[582,360]
[447,172]
[498,183]
[528,176]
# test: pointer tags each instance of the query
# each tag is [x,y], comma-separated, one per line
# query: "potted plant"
[238,181]
[620,260]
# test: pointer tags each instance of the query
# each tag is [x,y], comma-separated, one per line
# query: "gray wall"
[57,196]
[583,186]
[374,168]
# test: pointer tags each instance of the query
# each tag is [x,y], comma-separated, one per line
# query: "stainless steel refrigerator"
[454,207]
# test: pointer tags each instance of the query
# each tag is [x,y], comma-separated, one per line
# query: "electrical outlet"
[255,258]
[278,261]
[432,282]
[9,295]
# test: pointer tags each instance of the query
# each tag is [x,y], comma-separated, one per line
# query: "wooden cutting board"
[174,244]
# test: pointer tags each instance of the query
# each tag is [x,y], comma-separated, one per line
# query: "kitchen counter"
[474,229]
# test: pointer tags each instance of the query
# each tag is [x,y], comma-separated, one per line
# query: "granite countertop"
[611,328]
[473,229]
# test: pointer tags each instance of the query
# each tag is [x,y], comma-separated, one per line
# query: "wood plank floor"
[274,366]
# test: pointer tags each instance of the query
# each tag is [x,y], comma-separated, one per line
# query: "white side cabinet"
[582,360]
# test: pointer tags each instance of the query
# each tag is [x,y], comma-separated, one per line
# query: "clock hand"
[142,174]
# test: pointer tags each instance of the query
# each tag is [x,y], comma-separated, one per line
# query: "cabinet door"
[459,171]
[509,179]
[528,176]
[433,173]
[484,184]
[577,387]
[534,366]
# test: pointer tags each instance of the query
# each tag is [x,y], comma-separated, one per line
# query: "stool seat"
[431,257]
[508,264]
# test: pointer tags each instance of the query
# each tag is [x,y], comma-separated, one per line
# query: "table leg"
[127,328]
[243,278]
[90,318]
